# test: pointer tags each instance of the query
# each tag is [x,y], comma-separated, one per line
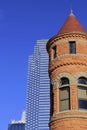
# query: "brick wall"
[71,66]
[69,124]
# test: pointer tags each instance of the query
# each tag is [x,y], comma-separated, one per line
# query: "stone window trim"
[56,82]
[79,75]
[72,78]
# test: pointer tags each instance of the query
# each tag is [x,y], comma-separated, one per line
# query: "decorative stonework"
[67,64]
[80,74]
[72,78]
[56,82]
[66,36]
[69,76]
[60,56]
[71,63]
[63,41]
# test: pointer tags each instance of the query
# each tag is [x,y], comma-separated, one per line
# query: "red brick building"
[68,75]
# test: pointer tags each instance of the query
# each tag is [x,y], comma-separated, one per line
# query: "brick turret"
[68,75]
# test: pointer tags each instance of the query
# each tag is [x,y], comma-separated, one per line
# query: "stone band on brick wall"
[66,36]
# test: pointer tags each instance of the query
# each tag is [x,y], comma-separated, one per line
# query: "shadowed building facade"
[68,75]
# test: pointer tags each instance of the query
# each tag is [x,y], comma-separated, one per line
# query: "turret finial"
[71,12]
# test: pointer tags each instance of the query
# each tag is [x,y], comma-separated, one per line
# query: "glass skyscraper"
[16,126]
[38,90]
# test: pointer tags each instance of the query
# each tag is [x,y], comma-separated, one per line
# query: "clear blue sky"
[22,23]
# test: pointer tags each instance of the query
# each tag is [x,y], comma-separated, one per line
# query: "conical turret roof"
[71,24]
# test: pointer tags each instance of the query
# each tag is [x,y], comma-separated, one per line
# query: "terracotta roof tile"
[71,24]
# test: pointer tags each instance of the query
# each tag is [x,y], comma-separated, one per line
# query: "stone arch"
[56,82]
[80,74]
[67,75]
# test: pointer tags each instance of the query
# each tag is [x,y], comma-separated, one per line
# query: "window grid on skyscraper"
[38,90]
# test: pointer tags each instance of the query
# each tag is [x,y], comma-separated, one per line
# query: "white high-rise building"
[23,118]
[38,90]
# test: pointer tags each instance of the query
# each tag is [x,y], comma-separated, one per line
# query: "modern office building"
[18,125]
[38,90]
[68,74]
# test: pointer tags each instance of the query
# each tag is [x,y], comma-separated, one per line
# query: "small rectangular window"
[72,47]
[54,52]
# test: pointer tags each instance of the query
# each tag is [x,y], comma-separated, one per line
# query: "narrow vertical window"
[64,98]
[82,93]
[54,52]
[72,47]
[64,95]
[51,99]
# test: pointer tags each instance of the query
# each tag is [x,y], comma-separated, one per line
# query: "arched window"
[64,81]
[82,93]
[64,95]
[82,80]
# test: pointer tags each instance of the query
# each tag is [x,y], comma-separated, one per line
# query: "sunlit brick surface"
[71,66]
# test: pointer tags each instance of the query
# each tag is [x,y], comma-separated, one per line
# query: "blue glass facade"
[38,90]
[16,126]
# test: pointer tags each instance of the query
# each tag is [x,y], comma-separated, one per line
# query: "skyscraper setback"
[38,90]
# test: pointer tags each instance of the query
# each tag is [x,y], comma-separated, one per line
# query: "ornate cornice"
[66,64]
[66,36]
